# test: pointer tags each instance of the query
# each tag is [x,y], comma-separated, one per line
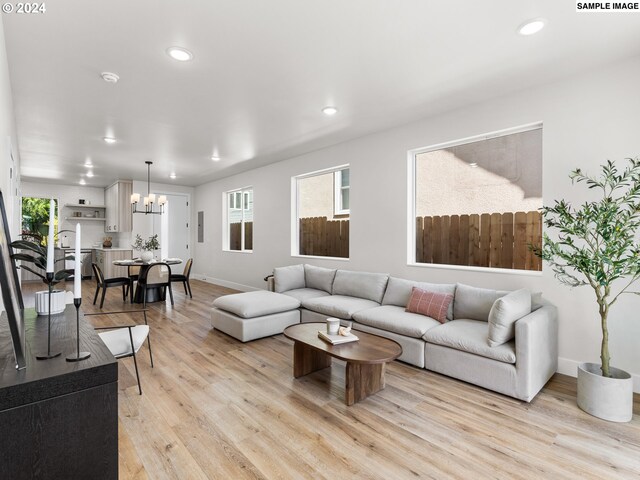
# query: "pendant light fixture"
[150,200]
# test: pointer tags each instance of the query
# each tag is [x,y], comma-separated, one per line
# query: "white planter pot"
[609,398]
[58,303]
[146,256]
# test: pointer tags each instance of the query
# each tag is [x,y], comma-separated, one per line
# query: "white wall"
[587,119]
[8,144]
[92,232]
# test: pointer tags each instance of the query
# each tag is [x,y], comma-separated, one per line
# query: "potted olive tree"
[595,244]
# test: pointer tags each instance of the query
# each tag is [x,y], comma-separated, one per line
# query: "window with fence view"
[240,219]
[477,202]
[323,213]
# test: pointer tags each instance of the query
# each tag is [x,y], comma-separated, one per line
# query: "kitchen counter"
[104,258]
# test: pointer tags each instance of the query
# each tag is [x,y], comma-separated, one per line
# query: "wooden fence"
[499,240]
[322,237]
[235,236]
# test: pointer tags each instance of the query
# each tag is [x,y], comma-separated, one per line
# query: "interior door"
[173,228]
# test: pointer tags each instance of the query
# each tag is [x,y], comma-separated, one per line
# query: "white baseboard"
[224,283]
[570,367]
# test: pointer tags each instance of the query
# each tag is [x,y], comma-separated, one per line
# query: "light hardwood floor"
[216,408]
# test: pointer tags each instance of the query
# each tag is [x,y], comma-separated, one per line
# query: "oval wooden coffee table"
[365,358]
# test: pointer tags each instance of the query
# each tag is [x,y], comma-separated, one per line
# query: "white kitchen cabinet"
[117,199]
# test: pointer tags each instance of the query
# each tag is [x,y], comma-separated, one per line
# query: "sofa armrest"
[536,349]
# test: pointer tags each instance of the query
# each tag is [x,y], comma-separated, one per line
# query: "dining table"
[153,294]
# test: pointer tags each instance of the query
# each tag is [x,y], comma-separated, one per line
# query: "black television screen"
[11,293]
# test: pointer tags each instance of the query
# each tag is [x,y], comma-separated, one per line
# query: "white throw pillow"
[319,278]
[370,286]
[504,314]
[288,278]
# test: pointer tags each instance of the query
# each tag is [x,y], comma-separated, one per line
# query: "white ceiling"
[263,70]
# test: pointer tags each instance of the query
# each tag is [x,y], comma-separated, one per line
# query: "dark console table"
[58,420]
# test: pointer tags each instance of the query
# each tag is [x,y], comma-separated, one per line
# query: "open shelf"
[78,205]
[87,219]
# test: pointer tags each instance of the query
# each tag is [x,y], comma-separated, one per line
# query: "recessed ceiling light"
[172,176]
[109,139]
[329,110]
[473,165]
[88,163]
[110,77]
[89,174]
[215,158]
[82,182]
[180,54]
[531,26]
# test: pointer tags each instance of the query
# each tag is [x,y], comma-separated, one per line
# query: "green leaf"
[38,274]
[27,245]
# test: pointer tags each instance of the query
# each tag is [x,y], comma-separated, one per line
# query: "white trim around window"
[237,202]
[411,200]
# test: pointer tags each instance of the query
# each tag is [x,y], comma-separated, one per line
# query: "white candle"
[50,242]
[77,273]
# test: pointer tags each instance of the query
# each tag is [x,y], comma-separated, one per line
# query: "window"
[35,219]
[475,202]
[239,220]
[321,219]
[235,200]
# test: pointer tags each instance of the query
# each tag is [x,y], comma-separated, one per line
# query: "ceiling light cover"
[180,54]
[329,110]
[89,174]
[215,158]
[109,140]
[531,26]
[110,77]
[473,165]
[172,176]
[82,182]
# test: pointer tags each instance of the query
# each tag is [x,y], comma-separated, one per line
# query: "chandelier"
[150,199]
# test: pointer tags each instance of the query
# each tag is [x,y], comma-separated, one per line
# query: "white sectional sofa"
[459,348]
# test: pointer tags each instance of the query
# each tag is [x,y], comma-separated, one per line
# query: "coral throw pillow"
[431,304]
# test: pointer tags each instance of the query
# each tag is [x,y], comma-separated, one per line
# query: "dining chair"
[184,277]
[133,272]
[106,283]
[125,340]
[157,275]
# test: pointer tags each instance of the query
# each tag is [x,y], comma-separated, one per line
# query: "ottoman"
[251,315]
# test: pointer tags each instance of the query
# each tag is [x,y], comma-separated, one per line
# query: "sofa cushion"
[504,314]
[305,293]
[319,278]
[474,303]
[360,284]
[396,319]
[256,304]
[470,336]
[338,305]
[399,290]
[288,278]
[431,304]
